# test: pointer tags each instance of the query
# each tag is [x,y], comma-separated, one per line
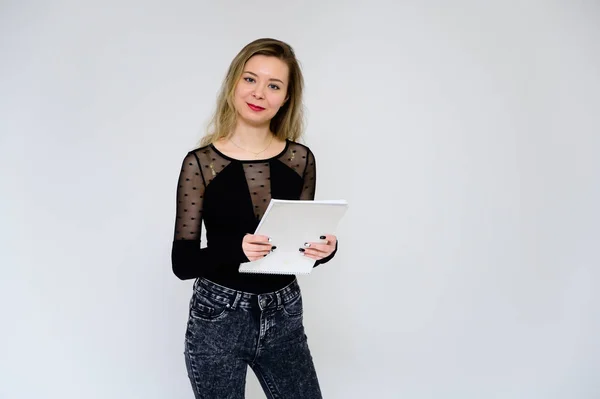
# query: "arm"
[187,258]
[308,193]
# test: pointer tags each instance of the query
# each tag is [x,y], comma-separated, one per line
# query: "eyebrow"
[277,80]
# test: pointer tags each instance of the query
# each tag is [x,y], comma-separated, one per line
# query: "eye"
[274,86]
[249,79]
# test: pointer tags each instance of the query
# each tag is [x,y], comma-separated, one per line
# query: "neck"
[251,137]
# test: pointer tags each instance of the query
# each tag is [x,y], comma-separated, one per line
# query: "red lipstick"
[255,107]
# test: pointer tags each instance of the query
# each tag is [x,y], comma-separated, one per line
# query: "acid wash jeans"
[229,330]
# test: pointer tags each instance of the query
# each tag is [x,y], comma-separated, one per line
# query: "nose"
[258,92]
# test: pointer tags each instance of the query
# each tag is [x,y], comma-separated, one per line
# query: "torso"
[233,194]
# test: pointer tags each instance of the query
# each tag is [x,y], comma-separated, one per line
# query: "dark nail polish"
[301,249]
[322,237]
[273,248]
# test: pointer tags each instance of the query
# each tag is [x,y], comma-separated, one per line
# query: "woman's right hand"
[256,247]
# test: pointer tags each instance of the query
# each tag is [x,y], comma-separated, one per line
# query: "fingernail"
[306,244]
[273,248]
[322,237]
[301,249]
[270,239]
[265,254]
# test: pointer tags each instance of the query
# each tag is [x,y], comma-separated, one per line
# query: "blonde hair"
[288,123]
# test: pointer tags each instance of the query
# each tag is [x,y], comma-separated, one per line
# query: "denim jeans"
[229,330]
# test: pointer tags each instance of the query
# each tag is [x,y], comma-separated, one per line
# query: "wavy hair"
[288,123]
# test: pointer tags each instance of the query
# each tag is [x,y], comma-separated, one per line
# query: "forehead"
[268,67]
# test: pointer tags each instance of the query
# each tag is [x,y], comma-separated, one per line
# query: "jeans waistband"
[233,298]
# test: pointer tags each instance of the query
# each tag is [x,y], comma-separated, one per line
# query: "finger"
[255,258]
[257,238]
[318,247]
[262,250]
[314,254]
[256,255]
[323,241]
[329,239]
[257,247]
[311,255]
[259,251]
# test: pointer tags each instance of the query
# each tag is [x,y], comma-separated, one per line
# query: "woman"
[250,156]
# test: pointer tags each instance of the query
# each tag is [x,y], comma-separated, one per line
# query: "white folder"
[291,224]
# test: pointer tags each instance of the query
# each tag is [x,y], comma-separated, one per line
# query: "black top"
[231,196]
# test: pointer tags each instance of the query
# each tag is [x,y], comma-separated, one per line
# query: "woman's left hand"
[320,250]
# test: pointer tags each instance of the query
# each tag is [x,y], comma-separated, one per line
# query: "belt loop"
[279,301]
[238,295]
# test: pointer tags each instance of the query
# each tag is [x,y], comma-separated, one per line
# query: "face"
[261,90]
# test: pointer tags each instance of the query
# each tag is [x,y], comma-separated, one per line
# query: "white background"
[464,134]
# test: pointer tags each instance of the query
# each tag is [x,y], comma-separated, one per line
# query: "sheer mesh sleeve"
[190,193]
[309,178]
[308,193]
[188,259]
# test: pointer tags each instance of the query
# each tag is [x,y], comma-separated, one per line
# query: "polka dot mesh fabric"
[258,178]
[202,166]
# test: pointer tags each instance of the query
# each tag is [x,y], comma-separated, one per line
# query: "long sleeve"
[308,193]
[188,259]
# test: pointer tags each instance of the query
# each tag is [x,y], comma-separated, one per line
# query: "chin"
[253,120]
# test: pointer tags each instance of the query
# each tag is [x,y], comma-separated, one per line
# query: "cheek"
[241,92]
[277,100]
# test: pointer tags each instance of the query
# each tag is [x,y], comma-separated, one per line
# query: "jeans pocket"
[293,308]
[206,306]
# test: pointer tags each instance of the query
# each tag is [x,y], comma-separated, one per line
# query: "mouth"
[255,107]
